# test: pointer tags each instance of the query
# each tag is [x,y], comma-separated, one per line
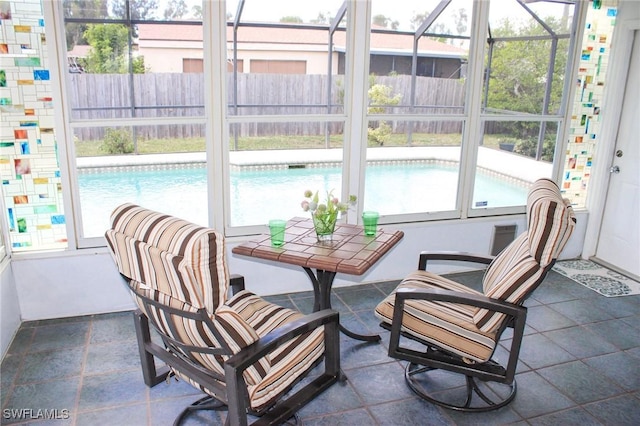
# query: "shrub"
[380,134]
[380,97]
[117,141]
[529,147]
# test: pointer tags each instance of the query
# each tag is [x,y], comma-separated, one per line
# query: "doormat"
[598,278]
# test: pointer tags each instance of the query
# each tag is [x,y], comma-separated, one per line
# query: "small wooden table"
[351,252]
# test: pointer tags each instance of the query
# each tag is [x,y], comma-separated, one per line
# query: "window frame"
[349,161]
[478,117]
[355,119]
[64,116]
[5,250]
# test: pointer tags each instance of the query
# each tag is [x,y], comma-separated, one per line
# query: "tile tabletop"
[350,252]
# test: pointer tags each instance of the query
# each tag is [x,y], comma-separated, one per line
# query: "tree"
[109,52]
[438,27]
[519,69]
[417,19]
[461,18]
[175,9]
[139,9]
[385,22]
[323,18]
[81,9]
[518,76]
[196,11]
[291,19]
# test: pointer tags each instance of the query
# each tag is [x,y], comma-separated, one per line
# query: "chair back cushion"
[170,255]
[520,267]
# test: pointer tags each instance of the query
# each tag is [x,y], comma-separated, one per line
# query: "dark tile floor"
[579,364]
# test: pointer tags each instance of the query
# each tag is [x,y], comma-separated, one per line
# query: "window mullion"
[473,126]
[356,101]
[215,45]
[55,33]
[569,88]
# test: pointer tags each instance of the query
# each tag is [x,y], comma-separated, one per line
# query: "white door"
[619,241]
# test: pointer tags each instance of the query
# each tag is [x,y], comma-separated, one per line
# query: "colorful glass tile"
[585,122]
[57,219]
[41,75]
[30,185]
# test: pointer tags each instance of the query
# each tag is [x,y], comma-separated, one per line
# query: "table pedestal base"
[322,282]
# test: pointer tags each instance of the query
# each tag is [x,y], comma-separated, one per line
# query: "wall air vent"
[503,235]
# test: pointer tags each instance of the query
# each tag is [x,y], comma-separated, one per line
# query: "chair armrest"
[452,255]
[441,295]
[250,354]
[234,367]
[517,316]
[237,283]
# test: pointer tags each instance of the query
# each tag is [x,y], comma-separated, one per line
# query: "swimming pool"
[258,195]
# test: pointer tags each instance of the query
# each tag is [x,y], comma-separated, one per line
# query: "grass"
[165,146]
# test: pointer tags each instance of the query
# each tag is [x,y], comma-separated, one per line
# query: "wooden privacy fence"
[107,96]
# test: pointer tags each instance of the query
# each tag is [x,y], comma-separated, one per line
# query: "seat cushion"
[293,359]
[290,360]
[242,321]
[449,326]
[235,332]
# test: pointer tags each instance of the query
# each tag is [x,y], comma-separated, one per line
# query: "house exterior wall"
[162,58]
[163,52]
[316,61]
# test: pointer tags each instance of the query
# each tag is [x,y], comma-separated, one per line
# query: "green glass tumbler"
[276,229]
[370,220]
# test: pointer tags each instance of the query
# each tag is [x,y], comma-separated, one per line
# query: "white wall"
[80,283]
[87,282]
[10,317]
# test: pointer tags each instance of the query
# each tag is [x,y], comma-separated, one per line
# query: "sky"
[263,10]
[400,11]
[397,10]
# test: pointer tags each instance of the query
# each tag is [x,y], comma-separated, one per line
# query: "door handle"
[614,169]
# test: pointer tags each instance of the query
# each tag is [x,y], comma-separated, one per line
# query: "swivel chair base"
[212,404]
[415,373]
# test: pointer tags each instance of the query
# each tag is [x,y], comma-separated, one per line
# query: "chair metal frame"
[437,358]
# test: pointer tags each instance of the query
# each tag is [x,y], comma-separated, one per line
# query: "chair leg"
[413,373]
[151,375]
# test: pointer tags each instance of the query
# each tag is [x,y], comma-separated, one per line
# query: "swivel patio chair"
[450,332]
[247,355]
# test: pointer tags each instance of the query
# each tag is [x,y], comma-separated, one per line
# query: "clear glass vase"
[324,225]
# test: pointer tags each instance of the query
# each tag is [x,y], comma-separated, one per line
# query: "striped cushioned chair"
[461,327]
[242,351]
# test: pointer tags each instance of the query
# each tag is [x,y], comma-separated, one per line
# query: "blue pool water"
[258,195]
